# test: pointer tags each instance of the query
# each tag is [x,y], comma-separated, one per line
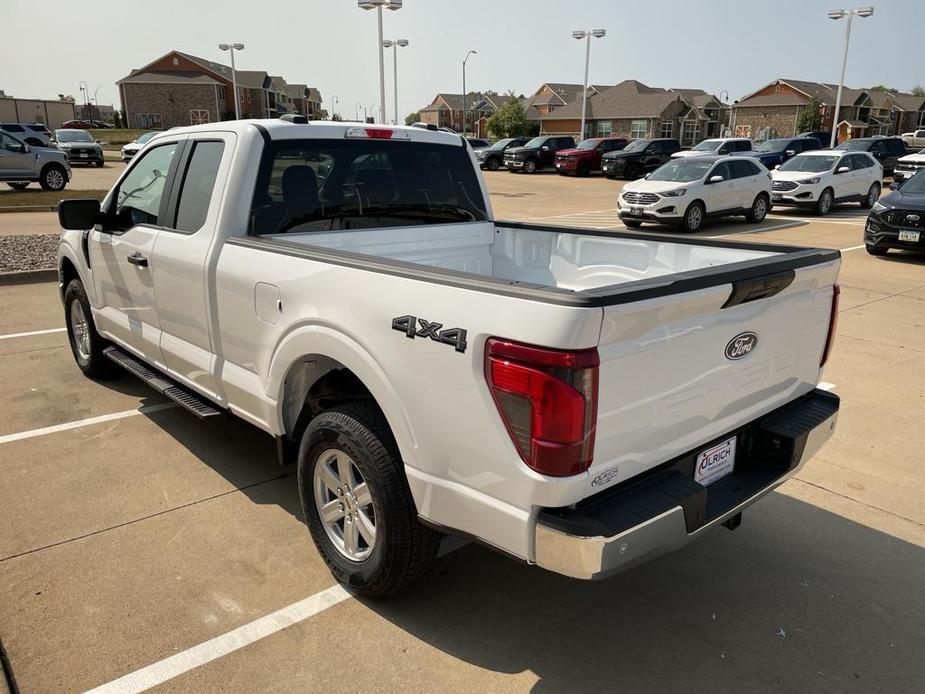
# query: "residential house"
[632,109]
[774,110]
[182,89]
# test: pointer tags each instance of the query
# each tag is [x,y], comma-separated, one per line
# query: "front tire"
[873,194]
[86,344]
[633,172]
[53,178]
[693,218]
[530,166]
[824,203]
[584,168]
[492,164]
[357,502]
[759,210]
[876,250]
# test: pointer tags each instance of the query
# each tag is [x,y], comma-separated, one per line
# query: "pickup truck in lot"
[579,400]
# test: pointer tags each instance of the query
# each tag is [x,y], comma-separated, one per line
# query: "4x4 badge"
[419,327]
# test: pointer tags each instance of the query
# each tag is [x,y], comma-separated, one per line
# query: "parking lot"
[141,548]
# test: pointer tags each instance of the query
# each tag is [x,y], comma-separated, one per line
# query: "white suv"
[687,191]
[718,146]
[817,180]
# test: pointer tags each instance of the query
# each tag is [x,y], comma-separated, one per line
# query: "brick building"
[182,89]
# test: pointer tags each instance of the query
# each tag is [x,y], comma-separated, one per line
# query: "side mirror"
[715,179]
[99,142]
[647,175]
[544,147]
[842,169]
[79,214]
[777,166]
[790,152]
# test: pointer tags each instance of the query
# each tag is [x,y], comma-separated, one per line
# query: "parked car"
[538,153]
[587,156]
[639,157]
[131,149]
[897,220]
[914,140]
[689,190]
[716,146]
[612,399]
[886,150]
[824,136]
[76,125]
[774,152]
[478,142]
[33,134]
[79,146]
[817,180]
[22,164]
[492,157]
[906,167]
[101,125]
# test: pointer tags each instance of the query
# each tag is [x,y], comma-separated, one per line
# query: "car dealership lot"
[139,543]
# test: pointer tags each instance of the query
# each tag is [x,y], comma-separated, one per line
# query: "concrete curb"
[30,208]
[28,276]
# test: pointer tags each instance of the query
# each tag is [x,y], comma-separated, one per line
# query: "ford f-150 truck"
[581,400]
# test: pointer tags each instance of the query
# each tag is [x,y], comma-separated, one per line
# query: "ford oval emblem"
[741,345]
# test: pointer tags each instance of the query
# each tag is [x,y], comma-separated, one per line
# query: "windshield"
[325,185]
[772,146]
[707,146]
[636,146]
[535,142]
[854,145]
[915,185]
[144,137]
[588,144]
[815,163]
[681,170]
[501,144]
[73,136]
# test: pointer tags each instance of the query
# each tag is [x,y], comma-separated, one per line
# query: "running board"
[162,384]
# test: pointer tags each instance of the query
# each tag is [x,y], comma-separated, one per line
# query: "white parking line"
[10,336]
[853,248]
[826,386]
[236,639]
[67,426]
[758,230]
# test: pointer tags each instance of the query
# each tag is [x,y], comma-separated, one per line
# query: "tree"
[882,88]
[413,118]
[918,90]
[336,117]
[810,119]
[510,120]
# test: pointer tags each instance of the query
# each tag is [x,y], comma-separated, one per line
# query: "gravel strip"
[32,252]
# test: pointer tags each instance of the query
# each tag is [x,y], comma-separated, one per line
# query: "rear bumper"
[644,518]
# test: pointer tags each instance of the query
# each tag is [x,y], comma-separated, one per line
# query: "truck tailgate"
[679,371]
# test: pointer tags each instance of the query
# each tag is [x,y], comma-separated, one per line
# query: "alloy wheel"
[344,504]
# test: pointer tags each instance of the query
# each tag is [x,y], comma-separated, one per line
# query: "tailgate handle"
[755,288]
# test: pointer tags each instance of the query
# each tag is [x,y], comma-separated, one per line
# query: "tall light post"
[865,11]
[85,91]
[334,106]
[96,103]
[724,101]
[465,94]
[394,46]
[586,35]
[232,47]
[378,5]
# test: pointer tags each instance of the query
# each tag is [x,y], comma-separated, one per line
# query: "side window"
[10,144]
[844,161]
[13,128]
[898,147]
[198,182]
[721,169]
[726,148]
[877,147]
[138,199]
[742,169]
[742,146]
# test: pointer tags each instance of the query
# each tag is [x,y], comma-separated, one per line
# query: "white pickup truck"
[579,400]
[914,140]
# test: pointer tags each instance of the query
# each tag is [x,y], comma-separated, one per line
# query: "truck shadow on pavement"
[797,599]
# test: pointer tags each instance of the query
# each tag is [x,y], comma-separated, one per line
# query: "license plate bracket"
[909,235]
[715,462]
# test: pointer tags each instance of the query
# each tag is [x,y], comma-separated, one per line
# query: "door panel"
[13,159]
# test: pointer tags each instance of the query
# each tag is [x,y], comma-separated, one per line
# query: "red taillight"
[833,324]
[547,399]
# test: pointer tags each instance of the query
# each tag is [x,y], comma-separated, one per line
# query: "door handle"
[138,259]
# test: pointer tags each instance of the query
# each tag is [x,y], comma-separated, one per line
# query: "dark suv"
[586,157]
[774,152]
[492,157]
[639,157]
[886,150]
[897,220]
[538,153]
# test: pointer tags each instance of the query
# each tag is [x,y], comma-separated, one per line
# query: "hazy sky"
[736,45]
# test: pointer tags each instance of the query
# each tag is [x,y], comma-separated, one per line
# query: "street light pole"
[232,47]
[465,94]
[865,11]
[394,44]
[723,101]
[378,5]
[85,90]
[586,35]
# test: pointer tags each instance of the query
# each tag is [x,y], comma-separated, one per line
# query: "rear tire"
[53,178]
[19,185]
[876,250]
[371,538]
[693,218]
[824,203]
[530,166]
[873,194]
[86,344]
[759,209]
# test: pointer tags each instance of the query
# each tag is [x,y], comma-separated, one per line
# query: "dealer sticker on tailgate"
[715,462]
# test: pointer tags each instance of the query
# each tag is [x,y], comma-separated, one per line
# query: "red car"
[77,124]
[586,157]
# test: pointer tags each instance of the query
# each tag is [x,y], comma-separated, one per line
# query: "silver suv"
[22,164]
[34,134]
